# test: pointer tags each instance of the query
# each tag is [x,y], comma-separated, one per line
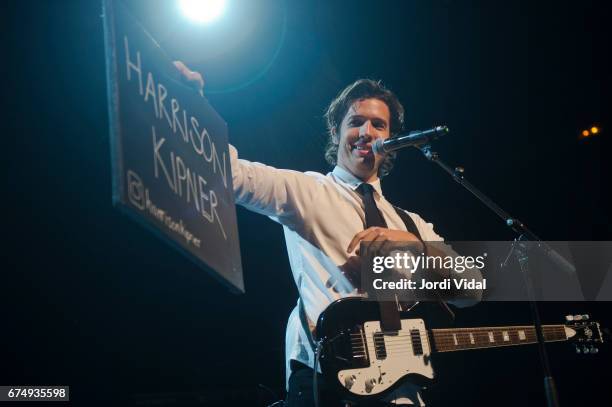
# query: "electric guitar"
[365,363]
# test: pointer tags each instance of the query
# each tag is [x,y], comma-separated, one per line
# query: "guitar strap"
[389,310]
[410,227]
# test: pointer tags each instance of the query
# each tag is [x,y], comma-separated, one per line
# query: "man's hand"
[380,235]
[194,78]
[352,271]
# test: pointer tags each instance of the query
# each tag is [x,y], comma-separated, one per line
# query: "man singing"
[325,217]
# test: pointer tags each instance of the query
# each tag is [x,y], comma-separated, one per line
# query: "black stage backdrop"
[92,300]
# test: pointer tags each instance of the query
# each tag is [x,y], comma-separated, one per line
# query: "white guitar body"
[399,358]
[361,363]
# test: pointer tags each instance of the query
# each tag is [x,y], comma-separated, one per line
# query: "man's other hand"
[192,77]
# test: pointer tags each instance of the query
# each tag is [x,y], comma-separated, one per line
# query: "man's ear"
[335,137]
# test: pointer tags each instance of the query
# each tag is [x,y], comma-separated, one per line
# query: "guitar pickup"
[379,346]
[417,344]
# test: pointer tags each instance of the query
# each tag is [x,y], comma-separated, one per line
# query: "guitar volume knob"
[369,385]
[349,381]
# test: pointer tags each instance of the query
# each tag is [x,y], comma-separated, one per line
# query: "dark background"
[92,300]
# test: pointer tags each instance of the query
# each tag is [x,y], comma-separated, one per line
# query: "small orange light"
[585,133]
[594,130]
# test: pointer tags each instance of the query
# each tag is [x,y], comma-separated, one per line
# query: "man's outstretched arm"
[280,194]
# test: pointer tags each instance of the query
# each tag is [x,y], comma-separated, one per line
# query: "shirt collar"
[352,181]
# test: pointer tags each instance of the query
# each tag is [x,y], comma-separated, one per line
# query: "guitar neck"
[455,339]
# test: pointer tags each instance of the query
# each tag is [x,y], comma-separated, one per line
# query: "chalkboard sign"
[171,163]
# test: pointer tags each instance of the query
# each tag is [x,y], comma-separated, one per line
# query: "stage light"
[594,130]
[585,133]
[203,11]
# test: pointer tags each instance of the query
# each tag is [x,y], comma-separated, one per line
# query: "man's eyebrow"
[374,119]
[380,119]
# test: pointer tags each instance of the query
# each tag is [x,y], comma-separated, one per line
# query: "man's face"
[366,121]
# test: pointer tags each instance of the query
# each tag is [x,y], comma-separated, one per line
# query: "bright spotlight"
[203,11]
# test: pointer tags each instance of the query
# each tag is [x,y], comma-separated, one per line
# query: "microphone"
[414,138]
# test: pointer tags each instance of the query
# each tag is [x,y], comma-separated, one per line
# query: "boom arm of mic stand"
[457,174]
[516,225]
[524,235]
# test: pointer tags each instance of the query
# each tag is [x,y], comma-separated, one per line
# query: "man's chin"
[367,163]
[364,170]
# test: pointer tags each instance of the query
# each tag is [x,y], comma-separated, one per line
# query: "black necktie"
[389,315]
[372,214]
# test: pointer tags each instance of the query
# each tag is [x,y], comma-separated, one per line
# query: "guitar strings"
[439,334]
[458,337]
[448,339]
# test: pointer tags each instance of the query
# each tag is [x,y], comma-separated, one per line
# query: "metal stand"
[520,251]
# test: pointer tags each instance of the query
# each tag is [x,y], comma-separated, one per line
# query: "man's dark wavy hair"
[360,90]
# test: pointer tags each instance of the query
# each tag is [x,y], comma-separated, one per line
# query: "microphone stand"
[520,250]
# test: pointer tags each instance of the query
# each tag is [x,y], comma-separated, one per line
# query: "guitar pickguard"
[391,357]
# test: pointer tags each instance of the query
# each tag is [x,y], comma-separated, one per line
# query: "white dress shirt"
[320,215]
